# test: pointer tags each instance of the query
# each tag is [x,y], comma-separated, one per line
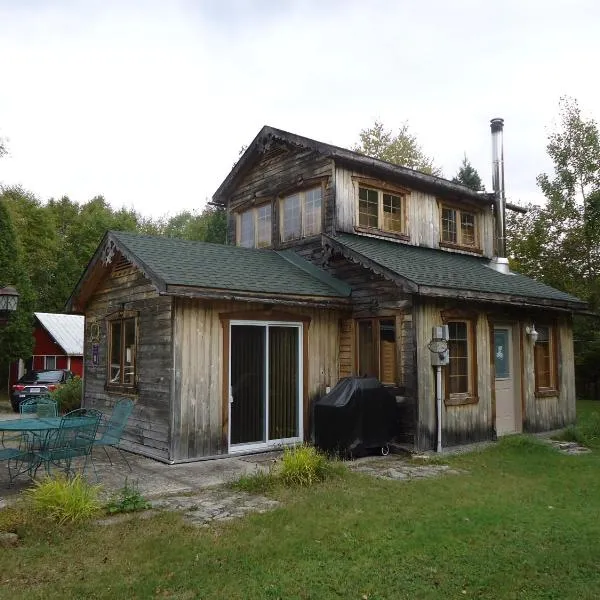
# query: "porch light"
[532,333]
[9,298]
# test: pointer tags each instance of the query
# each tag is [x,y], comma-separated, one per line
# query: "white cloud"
[148,103]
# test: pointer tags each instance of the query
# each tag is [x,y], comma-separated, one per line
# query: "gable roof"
[379,167]
[66,330]
[434,272]
[172,264]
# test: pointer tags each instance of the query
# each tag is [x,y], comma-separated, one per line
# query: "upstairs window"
[459,227]
[254,227]
[545,361]
[301,214]
[379,209]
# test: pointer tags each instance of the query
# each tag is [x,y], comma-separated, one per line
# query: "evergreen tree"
[467,175]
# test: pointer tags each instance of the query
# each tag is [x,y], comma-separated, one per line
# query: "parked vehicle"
[37,383]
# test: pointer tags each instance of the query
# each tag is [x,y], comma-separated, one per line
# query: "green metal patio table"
[40,430]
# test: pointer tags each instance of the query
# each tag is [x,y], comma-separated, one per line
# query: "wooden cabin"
[337,264]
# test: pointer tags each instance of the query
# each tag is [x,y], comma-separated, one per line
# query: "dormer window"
[381,209]
[254,227]
[301,214]
[458,227]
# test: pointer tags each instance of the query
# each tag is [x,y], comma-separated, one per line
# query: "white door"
[508,405]
[265,375]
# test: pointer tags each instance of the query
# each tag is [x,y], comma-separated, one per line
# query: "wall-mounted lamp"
[532,333]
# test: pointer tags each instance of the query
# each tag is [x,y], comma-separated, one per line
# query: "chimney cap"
[497,124]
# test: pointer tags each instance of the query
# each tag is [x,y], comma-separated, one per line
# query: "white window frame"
[254,212]
[304,232]
[459,212]
[46,362]
[270,443]
[381,191]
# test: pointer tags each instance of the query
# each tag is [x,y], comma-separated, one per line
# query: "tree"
[208,226]
[400,149]
[559,242]
[16,339]
[467,175]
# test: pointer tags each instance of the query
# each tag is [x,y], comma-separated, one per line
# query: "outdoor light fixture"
[9,298]
[532,333]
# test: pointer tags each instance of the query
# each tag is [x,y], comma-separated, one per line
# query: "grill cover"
[357,417]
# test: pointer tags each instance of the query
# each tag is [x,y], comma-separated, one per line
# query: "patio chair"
[21,456]
[111,429]
[73,439]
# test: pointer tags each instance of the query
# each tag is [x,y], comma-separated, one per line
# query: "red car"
[37,383]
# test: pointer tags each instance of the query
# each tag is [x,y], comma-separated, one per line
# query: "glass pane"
[312,212]
[115,352]
[247,383]
[449,225]
[366,350]
[129,352]
[263,226]
[368,206]
[284,392]
[467,229]
[387,351]
[501,356]
[458,367]
[50,362]
[292,222]
[392,213]
[247,229]
[543,361]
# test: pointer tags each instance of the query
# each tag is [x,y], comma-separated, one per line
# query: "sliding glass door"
[265,375]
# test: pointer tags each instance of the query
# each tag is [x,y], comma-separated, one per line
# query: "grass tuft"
[259,482]
[586,432]
[303,466]
[64,500]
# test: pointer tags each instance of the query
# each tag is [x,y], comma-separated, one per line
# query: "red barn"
[58,345]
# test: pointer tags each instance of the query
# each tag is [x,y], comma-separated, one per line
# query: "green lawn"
[522,523]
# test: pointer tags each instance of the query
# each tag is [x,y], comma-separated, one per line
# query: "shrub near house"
[69,395]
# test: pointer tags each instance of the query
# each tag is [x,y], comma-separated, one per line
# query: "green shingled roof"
[440,269]
[215,266]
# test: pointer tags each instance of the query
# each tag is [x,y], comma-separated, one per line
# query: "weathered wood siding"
[551,412]
[281,171]
[460,424]
[125,287]
[200,369]
[423,215]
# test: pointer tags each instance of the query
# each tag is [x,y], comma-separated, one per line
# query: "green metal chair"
[73,439]
[111,429]
[42,406]
[21,456]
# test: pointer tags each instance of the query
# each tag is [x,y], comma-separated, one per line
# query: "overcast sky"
[149,102]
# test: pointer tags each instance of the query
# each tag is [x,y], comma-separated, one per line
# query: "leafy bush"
[127,499]
[68,396]
[303,465]
[64,500]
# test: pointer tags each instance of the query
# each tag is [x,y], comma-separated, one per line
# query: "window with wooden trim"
[301,214]
[380,209]
[122,351]
[545,360]
[254,227]
[50,362]
[461,372]
[459,227]
[376,349]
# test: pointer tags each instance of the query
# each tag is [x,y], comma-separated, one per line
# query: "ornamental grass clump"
[64,500]
[303,466]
